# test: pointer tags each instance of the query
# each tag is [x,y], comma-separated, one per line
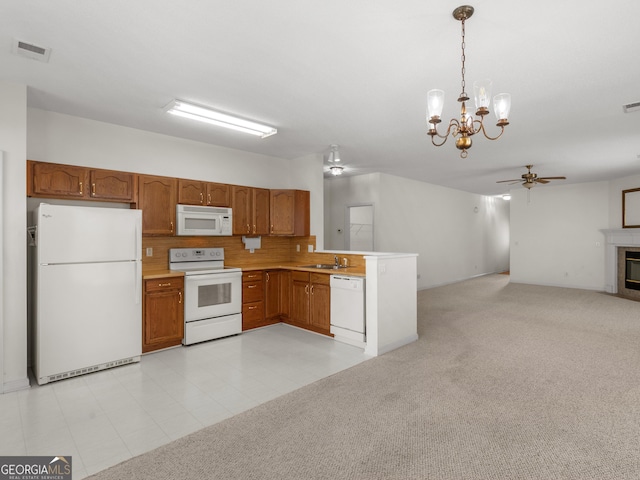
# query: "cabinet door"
[320,305]
[300,298]
[285,294]
[282,212]
[241,205]
[110,185]
[191,192]
[54,180]
[163,322]
[260,211]
[218,195]
[272,288]
[157,200]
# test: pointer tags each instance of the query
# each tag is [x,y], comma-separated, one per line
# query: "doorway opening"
[359,220]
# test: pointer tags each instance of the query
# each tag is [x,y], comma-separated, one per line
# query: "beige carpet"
[507,381]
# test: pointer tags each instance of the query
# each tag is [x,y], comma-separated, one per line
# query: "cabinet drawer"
[321,278]
[252,292]
[300,276]
[252,315]
[251,276]
[168,283]
[252,312]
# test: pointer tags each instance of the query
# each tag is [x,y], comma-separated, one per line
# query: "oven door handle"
[218,277]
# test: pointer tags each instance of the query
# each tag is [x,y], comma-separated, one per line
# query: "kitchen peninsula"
[391,305]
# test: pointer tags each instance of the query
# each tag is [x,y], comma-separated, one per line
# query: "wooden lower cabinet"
[252,300]
[310,301]
[163,313]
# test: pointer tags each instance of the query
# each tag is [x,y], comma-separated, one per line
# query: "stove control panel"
[195,254]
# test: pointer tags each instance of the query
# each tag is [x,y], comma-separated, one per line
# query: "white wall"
[457,234]
[13,317]
[555,235]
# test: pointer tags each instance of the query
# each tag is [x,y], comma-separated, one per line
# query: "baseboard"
[15,385]
[381,350]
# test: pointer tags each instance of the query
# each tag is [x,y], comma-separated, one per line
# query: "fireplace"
[632,270]
[617,243]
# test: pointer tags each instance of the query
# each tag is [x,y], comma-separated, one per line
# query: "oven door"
[212,295]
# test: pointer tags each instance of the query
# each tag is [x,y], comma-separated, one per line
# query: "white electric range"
[212,294]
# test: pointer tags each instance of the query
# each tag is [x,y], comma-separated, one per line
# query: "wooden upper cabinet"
[290,212]
[261,211]
[157,199]
[241,205]
[218,194]
[191,192]
[57,181]
[250,210]
[67,181]
[110,185]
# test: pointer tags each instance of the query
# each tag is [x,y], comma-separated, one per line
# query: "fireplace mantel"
[614,238]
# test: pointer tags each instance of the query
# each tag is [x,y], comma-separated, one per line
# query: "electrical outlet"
[310,248]
[297,248]
[149,251]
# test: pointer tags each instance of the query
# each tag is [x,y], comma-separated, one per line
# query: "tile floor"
[106,417]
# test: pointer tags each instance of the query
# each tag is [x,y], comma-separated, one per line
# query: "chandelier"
[467,126]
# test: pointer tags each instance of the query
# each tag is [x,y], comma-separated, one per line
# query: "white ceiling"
[353,73]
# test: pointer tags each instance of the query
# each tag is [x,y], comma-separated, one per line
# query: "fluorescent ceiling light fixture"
[202,114]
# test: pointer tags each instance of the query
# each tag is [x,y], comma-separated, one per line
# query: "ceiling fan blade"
[541,180]
[513,180]
[552,178]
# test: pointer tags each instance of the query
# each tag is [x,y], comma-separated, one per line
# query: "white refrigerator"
[88,290]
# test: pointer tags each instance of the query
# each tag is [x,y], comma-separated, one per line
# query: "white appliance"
[88,290]
[198,220]
[348,309]
[212,294]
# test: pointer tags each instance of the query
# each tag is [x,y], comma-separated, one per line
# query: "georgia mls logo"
[35,468]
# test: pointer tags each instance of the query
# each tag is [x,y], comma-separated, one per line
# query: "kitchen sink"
[325,266]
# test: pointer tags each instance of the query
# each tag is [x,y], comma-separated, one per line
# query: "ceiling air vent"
[631,107]
[31,51]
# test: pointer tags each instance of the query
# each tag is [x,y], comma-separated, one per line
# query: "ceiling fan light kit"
[467,126]
[529,179]
[334,158]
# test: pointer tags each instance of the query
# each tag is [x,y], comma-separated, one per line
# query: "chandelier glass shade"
[468,124]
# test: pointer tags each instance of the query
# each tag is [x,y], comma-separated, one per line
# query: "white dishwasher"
[348,309]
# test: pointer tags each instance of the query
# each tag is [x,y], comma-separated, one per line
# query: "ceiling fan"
[530,179]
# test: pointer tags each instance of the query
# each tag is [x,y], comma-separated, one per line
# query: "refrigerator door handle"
[138,279]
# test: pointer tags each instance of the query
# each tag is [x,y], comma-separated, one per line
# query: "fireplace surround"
[618,242]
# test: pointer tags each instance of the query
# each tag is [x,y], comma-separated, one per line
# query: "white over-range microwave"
[197,220]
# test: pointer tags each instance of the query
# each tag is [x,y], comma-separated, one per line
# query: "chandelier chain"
[463,59]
